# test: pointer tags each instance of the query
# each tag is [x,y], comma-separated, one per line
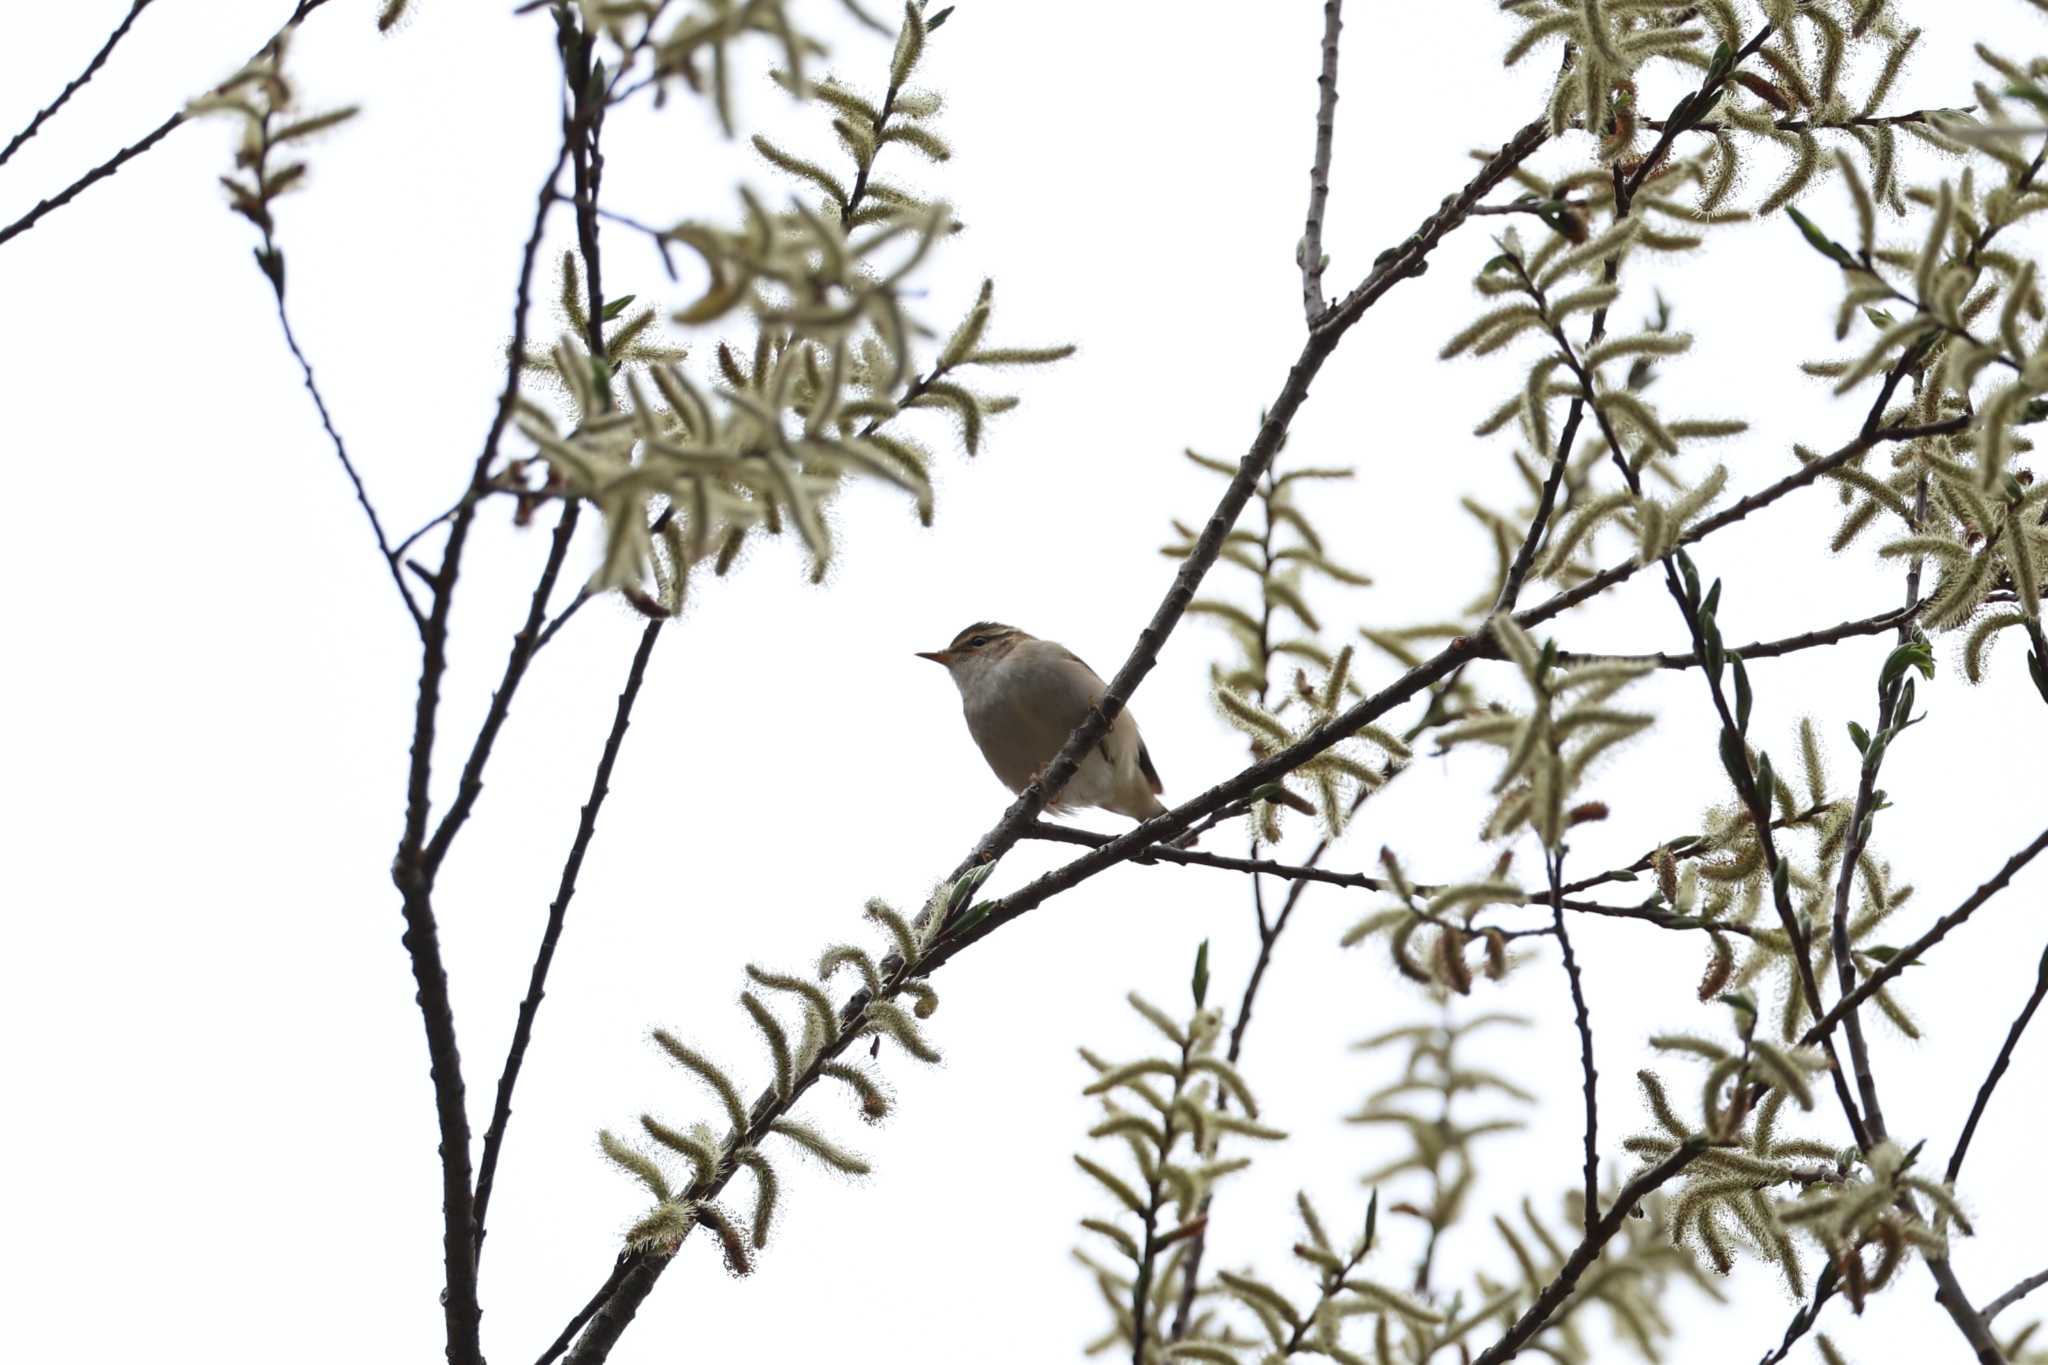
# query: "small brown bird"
[1023,696]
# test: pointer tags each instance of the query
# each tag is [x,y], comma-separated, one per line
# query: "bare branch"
[1910,954]
[1998,1066]
[127,154]
[1761,649]
[586,828]
[1554,865]
[77,83]
[1554,1294]
[1311,249]
[2014,1295]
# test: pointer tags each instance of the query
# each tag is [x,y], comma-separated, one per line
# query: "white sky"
[221,1132]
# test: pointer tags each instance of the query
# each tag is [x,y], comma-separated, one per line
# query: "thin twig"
[1554,1294]
[1554,866]
[524,644]
[551,935]
[92,68]
[384,548]
[1910,954]
[1761,649]
[114,163]
[1998,1066]
[1809,1313]
[1312,301]
[2013,1295]
[1304,873]
[584,1314]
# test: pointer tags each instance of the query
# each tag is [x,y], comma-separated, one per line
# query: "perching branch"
[1392,266]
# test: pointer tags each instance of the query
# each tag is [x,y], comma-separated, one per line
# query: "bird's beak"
[937,656]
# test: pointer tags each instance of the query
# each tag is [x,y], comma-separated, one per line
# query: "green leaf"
[618,306]
[1201,981]
[1859,736]
[1743,696]
[941,17]
[1820,241]
[1913,654]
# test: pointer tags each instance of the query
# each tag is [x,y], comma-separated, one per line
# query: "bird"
[1023,697]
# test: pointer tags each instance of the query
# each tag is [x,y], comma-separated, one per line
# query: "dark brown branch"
[1525,556]
[1312,301]
[1554,865]
[413,875]
[384,547]
[1302,874]
[1686,114]
[1761,649]
[524,644]
[92,68]
[1802,1321]
[1910,954]
[1155,1202]
[1860,815]
[1554,1294]
[1802,125]
[134,149]
[620,1268]
[551,935]
[1998,1066]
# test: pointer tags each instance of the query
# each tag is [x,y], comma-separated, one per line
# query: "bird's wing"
[1145,767]
[1123,719]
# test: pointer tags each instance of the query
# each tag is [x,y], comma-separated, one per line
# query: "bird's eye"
[977,642]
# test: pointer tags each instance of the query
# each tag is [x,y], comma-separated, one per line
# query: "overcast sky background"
[221,1133]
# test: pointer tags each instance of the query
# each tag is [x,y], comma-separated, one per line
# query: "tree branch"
[413,873]
[565,891]
[1554,866]
[384,548]
[1998,1066]
[1802,1321]
[1910,954]
[2014,1295]
[1538,1315]
[92,68]
[134,149]
[1761,649]
[1319,174]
